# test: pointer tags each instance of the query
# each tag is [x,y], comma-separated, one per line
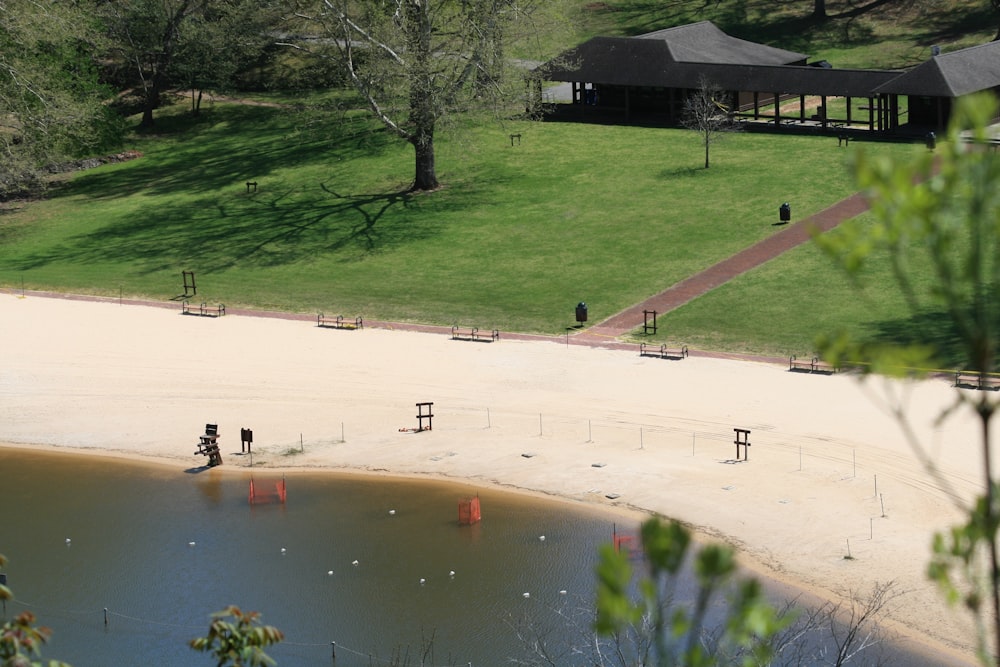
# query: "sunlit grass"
[517,236]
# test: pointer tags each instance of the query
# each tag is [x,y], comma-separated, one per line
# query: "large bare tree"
[416,61]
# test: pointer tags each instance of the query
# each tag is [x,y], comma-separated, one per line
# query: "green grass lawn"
[781,307]
[519,234]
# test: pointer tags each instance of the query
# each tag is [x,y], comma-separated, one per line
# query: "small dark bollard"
[785,212]
[581,312]
[931,140]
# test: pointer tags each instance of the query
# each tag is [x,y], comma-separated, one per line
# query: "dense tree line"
[65,68]
[50,91]
[71,71]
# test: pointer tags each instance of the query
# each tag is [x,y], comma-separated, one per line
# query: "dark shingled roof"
[682,57]
[630,61]
[653,59]
[612,60]
[704,42]
[780,79]
[951,74]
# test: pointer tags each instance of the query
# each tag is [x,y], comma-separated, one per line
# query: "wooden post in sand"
[742,440]
[424,412]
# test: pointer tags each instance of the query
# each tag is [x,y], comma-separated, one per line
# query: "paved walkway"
[691,288]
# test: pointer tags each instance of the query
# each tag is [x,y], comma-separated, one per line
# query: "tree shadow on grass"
[934,328]
[267,230]
[228,147]
[682,172]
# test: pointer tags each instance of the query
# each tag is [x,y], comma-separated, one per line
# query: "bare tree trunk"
[819,9]
[151,98]
[167,44]
[426,175]
[422,111]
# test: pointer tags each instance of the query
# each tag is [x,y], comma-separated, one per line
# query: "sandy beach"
[830,473]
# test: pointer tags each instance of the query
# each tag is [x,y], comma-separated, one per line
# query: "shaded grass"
[875,34]
[607,215]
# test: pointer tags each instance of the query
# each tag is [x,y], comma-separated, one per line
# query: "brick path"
[707,280]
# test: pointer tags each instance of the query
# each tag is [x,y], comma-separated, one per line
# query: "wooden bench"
[814,365]
[339,322]
[203,309]
[475,334]
[974,380]
[662,351]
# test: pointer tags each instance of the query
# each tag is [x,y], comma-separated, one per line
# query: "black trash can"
[785,212]
[581,312]
[931,139]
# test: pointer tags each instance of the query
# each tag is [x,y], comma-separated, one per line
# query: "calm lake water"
[161,549]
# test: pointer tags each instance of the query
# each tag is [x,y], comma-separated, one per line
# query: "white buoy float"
[392,512]
[190,544]
[422,581]
[330,572]
[354,562]
[527,595]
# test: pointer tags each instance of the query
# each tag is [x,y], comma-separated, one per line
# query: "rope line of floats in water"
[51,611]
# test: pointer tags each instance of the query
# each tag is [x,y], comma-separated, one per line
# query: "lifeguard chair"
[209,445]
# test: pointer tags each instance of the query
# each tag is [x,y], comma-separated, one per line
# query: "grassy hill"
[876,33]
[519,235]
